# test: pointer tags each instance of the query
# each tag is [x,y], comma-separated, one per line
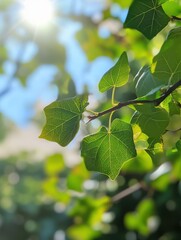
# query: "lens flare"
[37,13]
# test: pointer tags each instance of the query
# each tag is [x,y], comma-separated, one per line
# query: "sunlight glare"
[37,13]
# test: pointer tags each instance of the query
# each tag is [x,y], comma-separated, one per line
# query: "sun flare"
[37,13]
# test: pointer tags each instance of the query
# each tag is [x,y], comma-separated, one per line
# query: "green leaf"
[167,63]
[152,123]
[138,220]
[147,87]
[106,152]
[54,164]
[63,119]
[162,1]
[140,164]
[146,83]
[178,145]
[172,8]
[147,17]
[76,177]
[93,45]
[123,3]
[116,76]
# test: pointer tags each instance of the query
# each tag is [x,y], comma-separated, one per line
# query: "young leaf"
[63,119]
[147,17]
[106,152]
[116,76]
[167,63]
[152,123]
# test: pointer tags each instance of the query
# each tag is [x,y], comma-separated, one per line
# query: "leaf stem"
[110,121]
[92,112]
[156,102]
[113,96]
[113,104]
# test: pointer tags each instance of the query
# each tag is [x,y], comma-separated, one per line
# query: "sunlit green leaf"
[82,232]
[53,191]
[140,164]
[76,177]
[106,152]
[167,63]
[116,76]
[147,17]
[172,8]
[139,220]
[152,123]
[54,164]
[94,46]
[63,119]
[123,3]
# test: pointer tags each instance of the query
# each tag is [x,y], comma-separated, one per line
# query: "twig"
[156,102]
[127,192]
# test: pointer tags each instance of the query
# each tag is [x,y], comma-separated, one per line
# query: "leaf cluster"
[156,88]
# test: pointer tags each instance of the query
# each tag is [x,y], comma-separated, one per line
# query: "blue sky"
[18,104]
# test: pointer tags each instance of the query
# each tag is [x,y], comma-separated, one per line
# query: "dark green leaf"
[106,152]
[116,76]
[146,84]
[147,17]
[63,119]
[178,145]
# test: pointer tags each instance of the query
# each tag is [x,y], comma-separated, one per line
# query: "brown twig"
[156,102]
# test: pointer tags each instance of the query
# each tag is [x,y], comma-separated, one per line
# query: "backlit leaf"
[152,123]
[172,8]
[167,63]
[147,16]
[106,152]
[63,119]
[116,76]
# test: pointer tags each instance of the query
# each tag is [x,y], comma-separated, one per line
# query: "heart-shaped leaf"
[106,152]
[63,119]
[147,16]
[116,76]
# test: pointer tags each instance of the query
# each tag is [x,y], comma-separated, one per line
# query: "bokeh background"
[53,49]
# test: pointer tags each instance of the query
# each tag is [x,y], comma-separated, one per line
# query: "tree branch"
[126,192]
[175,18]
[156,102]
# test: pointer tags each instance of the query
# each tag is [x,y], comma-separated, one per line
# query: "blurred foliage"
[48,200]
